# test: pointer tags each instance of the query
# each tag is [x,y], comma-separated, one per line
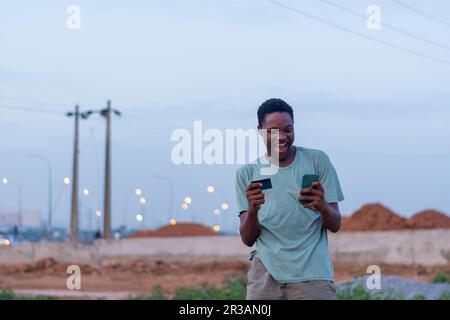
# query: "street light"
[137,192]
[58,198]
[6,181]
[188,200]
[224,206]
[210,189]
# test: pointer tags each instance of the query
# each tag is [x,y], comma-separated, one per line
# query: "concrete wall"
[425,247]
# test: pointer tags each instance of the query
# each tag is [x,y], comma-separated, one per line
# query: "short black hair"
[271,106]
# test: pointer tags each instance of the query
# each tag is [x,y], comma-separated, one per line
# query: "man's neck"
[289,159]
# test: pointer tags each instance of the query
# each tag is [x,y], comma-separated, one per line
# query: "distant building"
[28,219]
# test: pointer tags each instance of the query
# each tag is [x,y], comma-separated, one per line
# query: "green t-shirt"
[293,243]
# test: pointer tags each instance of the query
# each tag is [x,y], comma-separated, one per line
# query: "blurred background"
[376,100]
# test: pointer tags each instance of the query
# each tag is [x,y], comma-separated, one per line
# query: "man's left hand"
[315,195]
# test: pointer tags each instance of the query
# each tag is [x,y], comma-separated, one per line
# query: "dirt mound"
[373,217]
[178,230]
[46,266]
[429,219]
[161,266]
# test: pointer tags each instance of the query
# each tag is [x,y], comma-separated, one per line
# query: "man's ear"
[262,132]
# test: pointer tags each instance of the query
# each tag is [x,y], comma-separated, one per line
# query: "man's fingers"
[306,191]
[254,185]
[316,192]
[257,196]
[311,205]
[258,202]
[253,192]
[309,198]
[317,185]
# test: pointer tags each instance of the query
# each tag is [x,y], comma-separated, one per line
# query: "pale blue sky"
[381,114]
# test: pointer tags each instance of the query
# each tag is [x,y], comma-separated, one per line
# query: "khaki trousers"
[262,286]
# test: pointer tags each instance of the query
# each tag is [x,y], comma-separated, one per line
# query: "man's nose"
[282,136]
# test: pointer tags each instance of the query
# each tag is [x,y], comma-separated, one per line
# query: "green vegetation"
[358,293]
[445,295]
[441,277]
[236,290]
[230,290]
[7,294]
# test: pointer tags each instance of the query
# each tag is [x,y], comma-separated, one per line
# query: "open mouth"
[282,147]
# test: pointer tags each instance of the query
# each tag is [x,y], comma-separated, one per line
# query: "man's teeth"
[282,144]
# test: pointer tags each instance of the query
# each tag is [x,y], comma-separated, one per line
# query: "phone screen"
[308,180]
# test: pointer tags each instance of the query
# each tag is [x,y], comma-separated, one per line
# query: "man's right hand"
[255,197]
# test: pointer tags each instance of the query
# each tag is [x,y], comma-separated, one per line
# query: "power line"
[422,13]
[361,35]
[389,26]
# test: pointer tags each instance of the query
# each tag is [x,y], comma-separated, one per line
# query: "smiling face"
[285,125]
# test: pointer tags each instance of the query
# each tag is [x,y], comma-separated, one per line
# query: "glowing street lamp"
[224,206]
[4,180]
[210,189]
[98,213]
[86,191]
[216,211]
[173,222]
[184,205]
[216,228]
[139,217]
[142,200]
[188,200]
[66,180]
[138,191]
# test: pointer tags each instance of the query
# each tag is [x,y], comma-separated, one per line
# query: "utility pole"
[107,197]
[74,207]
[107,204]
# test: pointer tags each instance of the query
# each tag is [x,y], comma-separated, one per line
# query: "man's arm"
[329,212]
[331,217]
[249,228]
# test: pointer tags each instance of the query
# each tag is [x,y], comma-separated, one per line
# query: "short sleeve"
[329,180]
[241,187]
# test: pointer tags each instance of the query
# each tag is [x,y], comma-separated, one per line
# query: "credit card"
[266,183]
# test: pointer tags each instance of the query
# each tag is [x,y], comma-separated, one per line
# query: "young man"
[291,260]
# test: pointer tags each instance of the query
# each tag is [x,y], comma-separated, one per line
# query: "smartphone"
[308,180]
